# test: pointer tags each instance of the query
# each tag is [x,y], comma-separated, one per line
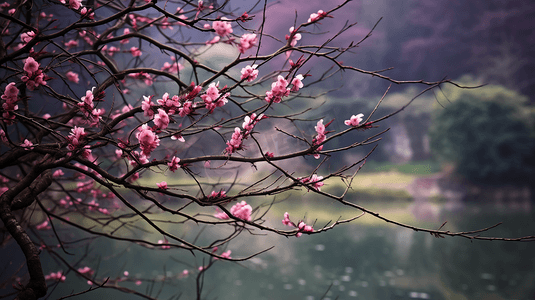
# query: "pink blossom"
[30,66]
[71,43]
[135,51]
[138,282]
[86,106]
[247,41]
[278,90]
[147,79]
[320,137]
[217,195]
[3,136]
[126,273]
[174,164]
[212,98]
[58,173]
[85,12]
[172,68]
[249,73]
[250,122]
[56,276]
[294,36]
[125,32]
[86,270]
[235,142]
[303,228]
[164,241]
[162,185]
[318,16]
[242,210]
[147,105]
[43,226]
[314,181]
[226,254]
[75,138]
[178,137]
[214,40]
[26,37]
[161,119]
[221,214]
[186,109]
[75,4]
[148,140]
[71,76]
[354,120]
[286,220]
[269,154]
[222,28]
[296,82]
[27,144]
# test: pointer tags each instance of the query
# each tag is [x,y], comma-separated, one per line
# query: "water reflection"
[355,261]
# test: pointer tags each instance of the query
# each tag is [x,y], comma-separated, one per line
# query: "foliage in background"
[487,136]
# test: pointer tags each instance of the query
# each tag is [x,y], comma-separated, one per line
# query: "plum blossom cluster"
[249,73]
[236,141]
[320,137]
[34,75]
[213,98]
[302,226]
[10,98]
[318,16]
[58,276]
[247,41]
[240,210]
[280,88]
[87,107]
[77,5]
[314,181]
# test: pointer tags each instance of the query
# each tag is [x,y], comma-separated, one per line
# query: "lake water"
[362,260]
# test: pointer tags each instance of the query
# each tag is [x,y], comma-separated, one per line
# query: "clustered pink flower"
[10,97]
[247,41]
[242,210]
[86,270]
[175,67]
[278,90]
[26,37]
[235,142]
[186,109]
[294,36]
[71,76]
[3,136]
[34,76]
[225,254]
[320,137]
[314,181]
[27,144]
[250,122]
[87,106]
[212,98]
[249,73]
[161,119]
[318,16]
[162,185]
[71,43]
[301,225]
[147,78]
[148,140]
[222,28]
[297,83]
[56,276]
[217,195]
[75,138]
[354,120]
[147,105]
[174,164]
[135,51]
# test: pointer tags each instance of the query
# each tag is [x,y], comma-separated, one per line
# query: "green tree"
[488,138]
